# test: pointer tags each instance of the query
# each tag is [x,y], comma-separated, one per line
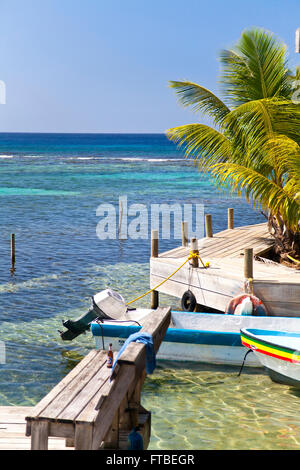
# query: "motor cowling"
[106,305]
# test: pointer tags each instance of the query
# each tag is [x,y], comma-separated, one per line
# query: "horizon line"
[82,133]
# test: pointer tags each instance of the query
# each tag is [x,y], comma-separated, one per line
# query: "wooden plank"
[211,279]
[203,297]
[14,414]
[134,354]
[39,435]
[230,241]
[83,436]
[157,324]
[61,385]
[109,407]
[111,440]
[63,399]
[87,392]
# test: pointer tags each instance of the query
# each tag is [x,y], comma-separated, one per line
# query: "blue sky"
[104,65]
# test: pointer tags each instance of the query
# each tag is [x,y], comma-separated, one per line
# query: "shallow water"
[50,188]
[208,407]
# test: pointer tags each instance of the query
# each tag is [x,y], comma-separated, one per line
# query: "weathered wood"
[84,436]
[70,442]
[135,354]
[12,253]
[108,408]
[157,324]
[154,299]
[229,243]
[12,430]
[89,405]
[144,422]
[111,440]
[154,243]
[74,388]
[39,435]
[277,286]
[154,254]
[230,219]
[248,263]
[86,393]
[184,233]
[37,410]
[208,226]
[195,250]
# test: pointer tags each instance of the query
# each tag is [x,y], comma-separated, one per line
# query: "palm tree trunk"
[287,242]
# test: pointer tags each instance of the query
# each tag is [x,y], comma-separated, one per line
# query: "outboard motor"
[106,305]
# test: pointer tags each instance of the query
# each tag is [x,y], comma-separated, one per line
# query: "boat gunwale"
[285,349]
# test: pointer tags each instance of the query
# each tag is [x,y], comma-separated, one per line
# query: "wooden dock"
[91,408]
[13,429]
[276,285]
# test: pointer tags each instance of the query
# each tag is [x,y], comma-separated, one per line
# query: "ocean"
[50,188]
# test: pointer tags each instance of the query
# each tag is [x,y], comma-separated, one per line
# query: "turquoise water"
[50,188]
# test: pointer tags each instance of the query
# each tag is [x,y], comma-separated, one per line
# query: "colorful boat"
[199,337]
[277,351]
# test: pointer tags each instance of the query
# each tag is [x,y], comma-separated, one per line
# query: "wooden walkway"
[13,428]
[91,408]
[229,243]
[277,286]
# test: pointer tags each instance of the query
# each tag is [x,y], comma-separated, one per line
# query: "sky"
[104,65]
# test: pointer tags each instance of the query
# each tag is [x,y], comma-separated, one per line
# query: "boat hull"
[197,337]
[277,352]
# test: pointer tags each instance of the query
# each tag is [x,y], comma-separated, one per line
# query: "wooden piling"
[248,263]
[194,249]
[12,253]
[154,254]
[230,219]
[184,233]
[208,226]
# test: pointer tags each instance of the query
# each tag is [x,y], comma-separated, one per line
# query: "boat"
[277,351]
[193,336]
[212,338]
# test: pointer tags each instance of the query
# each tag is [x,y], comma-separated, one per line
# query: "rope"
[191,256]
[249,286]
[293,259]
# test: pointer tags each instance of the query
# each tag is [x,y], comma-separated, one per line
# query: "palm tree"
[252,147]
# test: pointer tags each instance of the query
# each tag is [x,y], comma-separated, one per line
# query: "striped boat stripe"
[274,351]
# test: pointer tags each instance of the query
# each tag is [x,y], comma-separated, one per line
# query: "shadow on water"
[70,359]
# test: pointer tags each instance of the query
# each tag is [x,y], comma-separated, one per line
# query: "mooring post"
[154,254]
[230,219]
[12,253]
[248,263]
[194,249]
[208,226]
[184,233]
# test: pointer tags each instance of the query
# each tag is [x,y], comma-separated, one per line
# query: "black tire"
[188,301]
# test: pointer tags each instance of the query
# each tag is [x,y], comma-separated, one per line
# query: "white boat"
[277,351]
[200,337]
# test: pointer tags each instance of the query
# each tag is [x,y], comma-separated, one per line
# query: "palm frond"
[256,68]
[258,190]
[204,144]
[200,99]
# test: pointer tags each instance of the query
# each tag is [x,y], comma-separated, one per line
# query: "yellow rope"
[191,256]
[293,259]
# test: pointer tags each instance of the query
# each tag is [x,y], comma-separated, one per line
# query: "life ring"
[259,310]
[188,301]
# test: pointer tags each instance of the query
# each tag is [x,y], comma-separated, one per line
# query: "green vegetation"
[252,147]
